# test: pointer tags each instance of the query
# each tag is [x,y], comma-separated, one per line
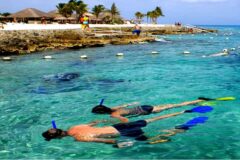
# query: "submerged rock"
[61,77]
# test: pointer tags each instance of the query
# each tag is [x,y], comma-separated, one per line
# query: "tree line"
[79,8]
[5,14]
[152,15]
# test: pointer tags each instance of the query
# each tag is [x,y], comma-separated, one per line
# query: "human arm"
[93,123]
[98,140]
[125,105]
[118,116]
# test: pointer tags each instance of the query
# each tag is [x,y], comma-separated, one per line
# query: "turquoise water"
[169,77]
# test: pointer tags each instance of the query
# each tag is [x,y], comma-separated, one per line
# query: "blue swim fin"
[200,109]
[192,122]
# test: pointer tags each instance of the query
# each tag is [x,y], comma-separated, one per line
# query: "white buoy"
[233,49]
[84,57]
[225,50]
[119,54]
[47,57]
[6,58]
[155,52]
[186,52]
[227,38]
[211,37]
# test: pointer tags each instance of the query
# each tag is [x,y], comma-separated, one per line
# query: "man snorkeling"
[225,52]
[120,112]
[89,133]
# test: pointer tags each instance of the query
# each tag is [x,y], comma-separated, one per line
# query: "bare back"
[86,132]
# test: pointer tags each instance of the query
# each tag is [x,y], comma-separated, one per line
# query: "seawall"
[29,41]
[16,42]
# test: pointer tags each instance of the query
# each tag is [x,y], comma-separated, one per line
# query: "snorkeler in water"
[225,52]
[107,134]
[89,133]
[120,112]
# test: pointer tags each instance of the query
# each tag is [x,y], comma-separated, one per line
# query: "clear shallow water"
[169,77]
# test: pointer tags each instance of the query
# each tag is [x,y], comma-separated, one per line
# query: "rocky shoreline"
[19,42]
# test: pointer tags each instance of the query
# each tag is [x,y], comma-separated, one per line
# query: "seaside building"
[106,17]
[35,16]
[30,15]
[1,18]
[58,18]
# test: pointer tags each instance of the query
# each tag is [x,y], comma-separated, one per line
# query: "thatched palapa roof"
[57,16]
[54,14]
[108,14]
[88,14]
[29,13]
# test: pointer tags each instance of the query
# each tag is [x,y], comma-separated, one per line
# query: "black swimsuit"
[134,129]
[131,129]
[139,110]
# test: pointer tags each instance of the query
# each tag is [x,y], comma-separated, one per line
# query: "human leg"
[170,106]
[163,117]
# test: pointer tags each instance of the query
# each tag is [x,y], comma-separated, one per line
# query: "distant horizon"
[203,12]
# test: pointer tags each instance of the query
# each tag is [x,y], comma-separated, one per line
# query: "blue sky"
[186,11]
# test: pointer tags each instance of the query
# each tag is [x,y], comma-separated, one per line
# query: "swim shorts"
[131,129]
[140,110]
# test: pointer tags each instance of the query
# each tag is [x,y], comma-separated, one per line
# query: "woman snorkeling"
[120,112]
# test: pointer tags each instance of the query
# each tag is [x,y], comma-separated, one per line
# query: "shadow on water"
[70,82]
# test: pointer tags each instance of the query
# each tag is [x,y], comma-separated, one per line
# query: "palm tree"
[97,10]
[80,8]
[139,16]
[107,19]
[152,16]
[5,14]
[158,13]
[114,11]
[64,9]
[148,15]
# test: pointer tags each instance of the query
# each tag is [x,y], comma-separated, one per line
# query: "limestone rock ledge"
[23,42]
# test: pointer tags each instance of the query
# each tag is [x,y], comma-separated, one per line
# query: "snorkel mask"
[101,109]
[52,133]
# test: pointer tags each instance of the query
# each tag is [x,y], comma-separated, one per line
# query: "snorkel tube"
[101,102]
[54,124]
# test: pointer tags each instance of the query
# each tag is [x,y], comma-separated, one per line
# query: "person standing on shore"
[85,23]
[137,30]
[81,22]
[1,26]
